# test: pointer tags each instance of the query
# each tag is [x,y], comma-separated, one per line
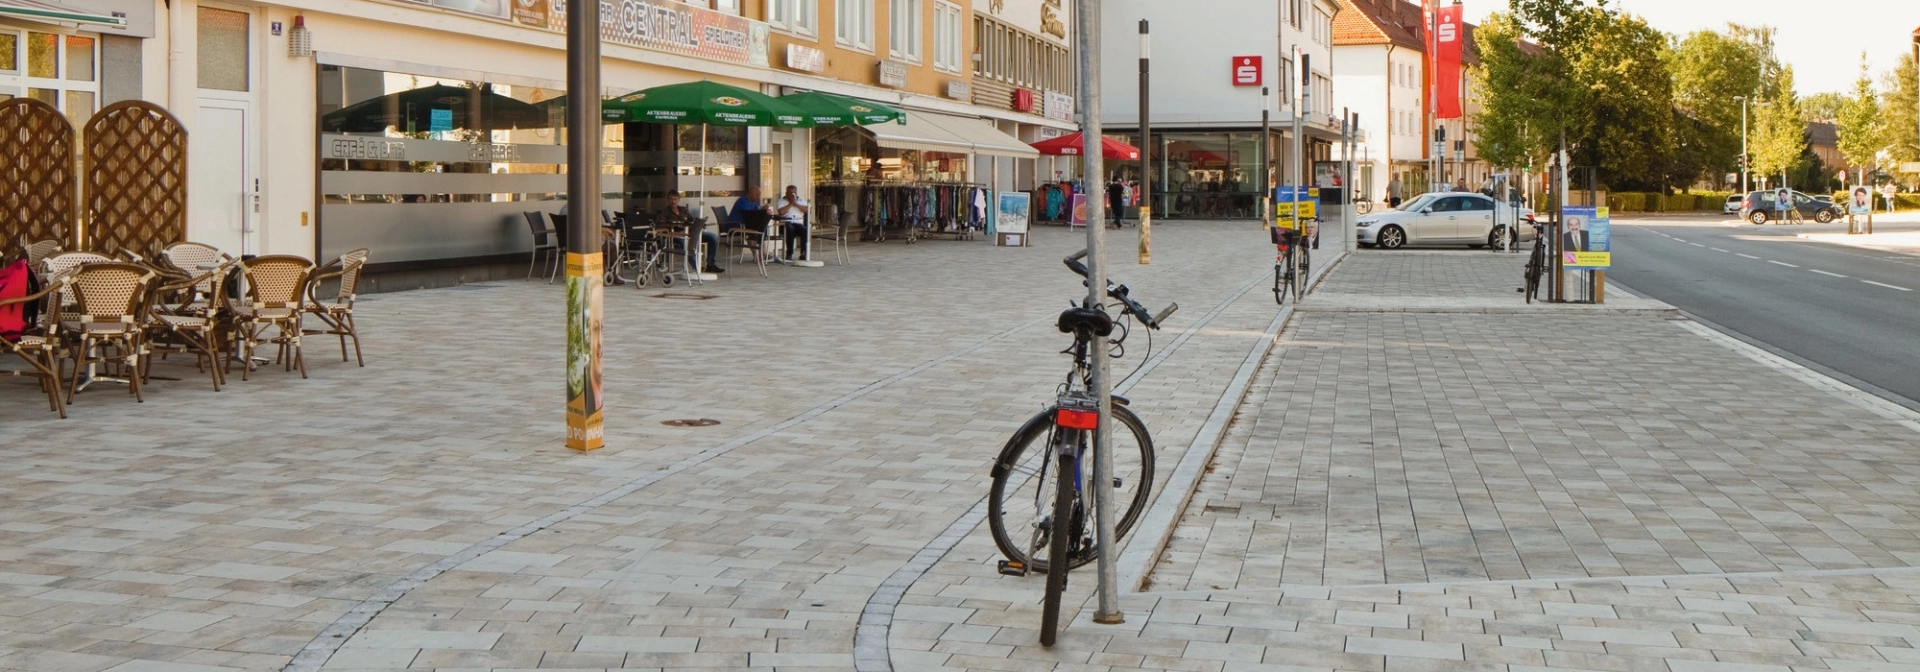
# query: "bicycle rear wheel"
[1019,502]
[1535,264]
[1282,282]
[1067,527]
[1300,282]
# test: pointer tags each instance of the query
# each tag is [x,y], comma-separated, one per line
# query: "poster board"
[1079,216]
[1294,205]
[1860,200]
[1011,214]
[1586,238]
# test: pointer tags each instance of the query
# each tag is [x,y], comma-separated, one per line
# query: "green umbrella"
[826,109]
[702,102]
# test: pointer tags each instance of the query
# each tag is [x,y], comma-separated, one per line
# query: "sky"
[1821,40]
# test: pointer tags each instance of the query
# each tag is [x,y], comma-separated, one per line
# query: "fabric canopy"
[54,12]
[982,135]
[1072,144]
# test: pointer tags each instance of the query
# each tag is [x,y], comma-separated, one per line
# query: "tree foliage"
[1711,71]
[1823,106]
[1780,135]
[1859,123]
[1901,114]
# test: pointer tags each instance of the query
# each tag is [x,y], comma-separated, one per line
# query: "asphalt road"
[1849,312]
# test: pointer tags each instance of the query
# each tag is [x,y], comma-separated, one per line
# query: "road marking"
[1882,284]
[1696,244]
[1782,263]
[1837,275]
[1678,239]
[1716,249]
[1749,256]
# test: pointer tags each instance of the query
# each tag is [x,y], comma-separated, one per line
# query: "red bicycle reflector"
[1077,419]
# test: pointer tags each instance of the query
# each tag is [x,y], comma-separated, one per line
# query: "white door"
[224,198]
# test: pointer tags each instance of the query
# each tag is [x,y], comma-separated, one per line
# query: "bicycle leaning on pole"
[1291,263]
[1040,506]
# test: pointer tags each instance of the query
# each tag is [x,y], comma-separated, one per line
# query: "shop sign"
[893,74]
[531,12]
[675,28]
[342,147]
[1059,106]
[1023,100]
[958,90]
[809,59]
[1247,71]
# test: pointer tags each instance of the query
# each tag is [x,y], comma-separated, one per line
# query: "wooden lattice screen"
[136,179]
[36,175]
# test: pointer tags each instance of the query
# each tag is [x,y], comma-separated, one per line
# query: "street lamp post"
[1743,144]
[1266,154]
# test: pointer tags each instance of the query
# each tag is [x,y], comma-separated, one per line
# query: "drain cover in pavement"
[690,297]
[691,422]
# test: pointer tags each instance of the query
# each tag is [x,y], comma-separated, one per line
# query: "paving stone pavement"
[1445,489]
[860,404]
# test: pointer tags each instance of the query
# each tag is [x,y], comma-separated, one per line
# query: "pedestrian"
[1460,185]
[792,211]
[1393,192]
[1116,199]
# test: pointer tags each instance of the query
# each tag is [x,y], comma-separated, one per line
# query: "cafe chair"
[338,316]
[107,322]
[38,252]
[64,262]
[193,323]
[751,237]
[39,344]
[546,238]
[276,286]
[832,228]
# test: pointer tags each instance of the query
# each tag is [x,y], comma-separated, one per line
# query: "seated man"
[750,202]
[710,242]
[792,211]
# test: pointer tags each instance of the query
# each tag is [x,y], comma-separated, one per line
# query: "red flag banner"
[1448,33]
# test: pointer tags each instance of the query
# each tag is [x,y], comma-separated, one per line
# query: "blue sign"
[442,120]
[1586,238]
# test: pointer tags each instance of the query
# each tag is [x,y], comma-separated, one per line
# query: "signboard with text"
[675,28]
[1294,205]
[1586,238]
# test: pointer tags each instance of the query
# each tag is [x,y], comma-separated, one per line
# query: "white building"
[1379,56]
[1208,67]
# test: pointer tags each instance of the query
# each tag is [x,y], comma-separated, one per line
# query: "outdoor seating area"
[664,248]
[80,320]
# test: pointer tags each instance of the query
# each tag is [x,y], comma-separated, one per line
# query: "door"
[1438,223]
[224,200]
[1476,221]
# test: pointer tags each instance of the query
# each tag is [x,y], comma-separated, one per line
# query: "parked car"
[1441,218]
[1733,204]
[1758,207]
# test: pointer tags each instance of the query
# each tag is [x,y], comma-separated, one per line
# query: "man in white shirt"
[792,211]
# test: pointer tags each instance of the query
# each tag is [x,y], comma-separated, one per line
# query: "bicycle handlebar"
[1120,293]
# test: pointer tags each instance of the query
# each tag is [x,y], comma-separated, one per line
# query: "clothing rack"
[909,209]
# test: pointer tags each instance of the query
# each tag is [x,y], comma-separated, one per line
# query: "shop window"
[796,16]
[59,70]
[223,54]
[728,6]
[853,24]
[80,59]
[9,52]
[43,57]
[904,34]
[946,36]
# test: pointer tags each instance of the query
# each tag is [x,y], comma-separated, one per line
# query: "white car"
[1733,204]
[1441,218]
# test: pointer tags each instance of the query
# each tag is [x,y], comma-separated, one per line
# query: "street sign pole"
[1086,18]
[585,406]
[1146,153]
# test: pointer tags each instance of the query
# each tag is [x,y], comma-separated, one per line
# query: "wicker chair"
[276,286]
[110,302]
[66,262]
[192,323]
[338,316]
[40,346]
[38,252]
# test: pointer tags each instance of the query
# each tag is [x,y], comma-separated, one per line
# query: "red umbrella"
[1069,145]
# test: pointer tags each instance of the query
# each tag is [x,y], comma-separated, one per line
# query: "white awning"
[47,11]
[936,132]
[985,138]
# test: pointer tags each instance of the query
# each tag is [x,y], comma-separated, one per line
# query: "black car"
[1758,207]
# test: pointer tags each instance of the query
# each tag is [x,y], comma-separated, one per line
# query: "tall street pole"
[1087,24]
[585,421]
[1743,147]
[1300,175]
[1146,153]
[1266,153]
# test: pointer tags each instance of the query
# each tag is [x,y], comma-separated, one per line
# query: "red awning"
[1070,145]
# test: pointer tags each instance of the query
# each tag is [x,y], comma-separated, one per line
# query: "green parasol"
[826,109]
[702,102]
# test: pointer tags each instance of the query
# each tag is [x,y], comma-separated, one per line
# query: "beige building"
[424,129]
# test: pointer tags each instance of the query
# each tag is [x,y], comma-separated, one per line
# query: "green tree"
[1629,96]
[1901,113]
[1859,123]
[1711,71]
[1780,135]
[1824,106]
[1532,102]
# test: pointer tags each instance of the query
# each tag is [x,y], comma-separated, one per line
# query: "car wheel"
[1391,238]
[1758,217]
[1823,216]
[1493,237]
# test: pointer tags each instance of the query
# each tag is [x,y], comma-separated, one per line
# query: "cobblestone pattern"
[225,529]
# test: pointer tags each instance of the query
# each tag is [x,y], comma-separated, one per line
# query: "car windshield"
[1418,202]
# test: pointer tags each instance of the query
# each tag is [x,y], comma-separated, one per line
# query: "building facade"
[1379,54]
[1207,147]
[423,129]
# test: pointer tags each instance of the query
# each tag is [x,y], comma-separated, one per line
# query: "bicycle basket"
[1281,235]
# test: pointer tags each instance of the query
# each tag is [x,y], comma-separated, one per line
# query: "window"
[853,23]
[947,27]
[59,70]
[728,6]
[223,50]
[796,16]
[903,35]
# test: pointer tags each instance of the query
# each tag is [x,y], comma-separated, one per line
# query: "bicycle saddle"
[1077,320]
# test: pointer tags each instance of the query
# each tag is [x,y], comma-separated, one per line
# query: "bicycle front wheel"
[1282,283]
[1300,282]
[1019,504]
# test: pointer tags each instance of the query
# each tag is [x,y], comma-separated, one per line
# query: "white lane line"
[1782,263]
[1837,275]
[1882,284]
[1679,239]
[1716,249]
[1696,244]
[1749,256]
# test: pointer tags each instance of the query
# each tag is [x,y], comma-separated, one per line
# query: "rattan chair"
[66,262]
[105,326]
[38,252]
[276,286]
[338,316]
[40,346]
[192,323]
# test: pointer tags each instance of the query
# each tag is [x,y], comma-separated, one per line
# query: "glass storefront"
[1200,174]
[847,155]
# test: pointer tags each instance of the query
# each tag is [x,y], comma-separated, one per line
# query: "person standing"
[792,211]
[1393,192]
[1116,199]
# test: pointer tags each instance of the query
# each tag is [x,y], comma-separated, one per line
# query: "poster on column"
[1586,239]
[1010,217]
[1079,210]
